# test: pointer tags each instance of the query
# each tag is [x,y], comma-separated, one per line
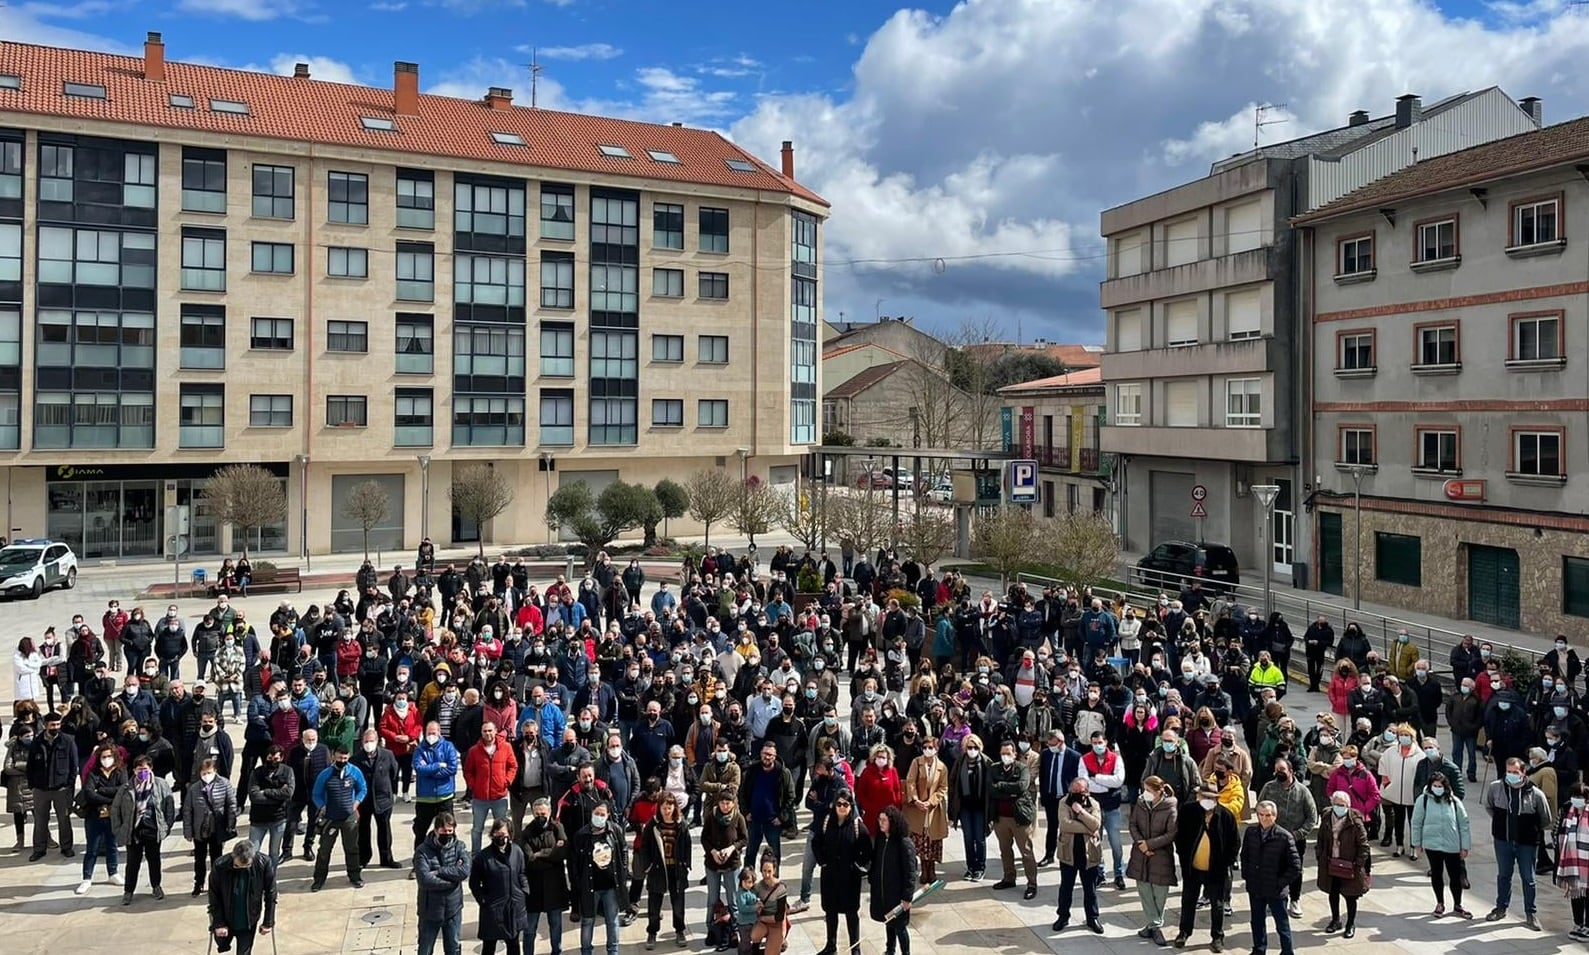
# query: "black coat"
[545,852]
[1269,865]
[1223,846]
[260,905]
[441,871]
[53,765]
[380,775]
[844,851]
[650,861]
[582,865]
[893,874]
[496,880]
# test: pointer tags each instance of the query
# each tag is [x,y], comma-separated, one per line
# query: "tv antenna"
[535,76]
[1259,121]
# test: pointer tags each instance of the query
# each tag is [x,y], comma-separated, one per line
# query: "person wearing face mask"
[1206,845]
[142,813]
[1342,853]
[1572,857]
[1563,663]
[1465,716]
[52,769]
[489,768]
[1080,854]
[878,785]
[270,788]
[617,770]
[1398,768]
[1012,814]
[968,804]
[925,804]
[242,898]
[1296,814]
[1153,828]
[104,777]
[14,776]
[1440,829]
[843,850]
[497,883]
[1507,728]
[209,818]
[379,766]
[724,835]
[545,846]
[339,796]
[441,868]
[436,764]
[598,871]
[1357,781]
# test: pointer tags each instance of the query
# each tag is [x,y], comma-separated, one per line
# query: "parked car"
[30,566]
[905,479]
[1176,563]
[874,479]
[943,492]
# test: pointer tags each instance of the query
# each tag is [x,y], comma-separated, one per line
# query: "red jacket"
[393,726]
[489,775]
[529,619]
[348,654]
[876,789]
[112,624]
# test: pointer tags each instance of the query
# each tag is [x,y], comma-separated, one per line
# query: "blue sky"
[987,134]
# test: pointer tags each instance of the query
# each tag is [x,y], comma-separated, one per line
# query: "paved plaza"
[39,913]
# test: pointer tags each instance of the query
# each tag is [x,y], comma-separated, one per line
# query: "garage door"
[1494,594]
[1169,506]
[597,481]
[347,528]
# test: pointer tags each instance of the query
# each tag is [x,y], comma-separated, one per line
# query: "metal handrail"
[1435,643]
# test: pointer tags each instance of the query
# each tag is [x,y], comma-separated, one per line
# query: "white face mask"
[1007,759]
[432,738]
[881,762]
[369,747]
[207,778]
[1208,804]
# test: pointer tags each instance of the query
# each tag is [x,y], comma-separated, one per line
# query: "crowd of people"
[602,746]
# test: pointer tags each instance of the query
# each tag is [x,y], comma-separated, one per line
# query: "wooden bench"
[280,580]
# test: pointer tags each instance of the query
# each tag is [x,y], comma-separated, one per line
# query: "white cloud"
[389,6]
[83,10]
[584,51]
[320,67]
[252,10]
[1004,127]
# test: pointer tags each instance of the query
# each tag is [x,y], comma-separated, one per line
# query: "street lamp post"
[1266,494]
[546,468]
[303,507]
[424,496]
[822,528]
[1357,471]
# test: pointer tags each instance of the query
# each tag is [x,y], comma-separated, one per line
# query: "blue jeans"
[607,907]
[170,669]
[275,832]
[760,831]
[450,930]
[720,887]
[99,840]
[485,812]
[206,662]
[1470,746]
[808,867]
[554,929]
[1261,910]
[974,830]
[1111,829]
[1507,855]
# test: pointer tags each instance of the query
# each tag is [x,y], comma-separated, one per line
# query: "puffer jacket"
[1398,774]
[1153,824]
[215,803]
[1440,824]
[441,871]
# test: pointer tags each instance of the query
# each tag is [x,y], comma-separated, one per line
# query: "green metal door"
[1330,562]
[1493,585]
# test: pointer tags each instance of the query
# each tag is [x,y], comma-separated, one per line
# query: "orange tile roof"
[1076,379]
[838,350]
[1071,356]
[288,108]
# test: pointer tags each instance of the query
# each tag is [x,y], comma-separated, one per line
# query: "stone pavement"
[39,913]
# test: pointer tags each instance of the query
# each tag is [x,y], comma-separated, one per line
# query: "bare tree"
[928,533]
[971,368]
[1083,546]
[1006,541]
[712,493]
[860,517]
[755,509]
[366,505]
[799,517]
[478,493]
[247,497]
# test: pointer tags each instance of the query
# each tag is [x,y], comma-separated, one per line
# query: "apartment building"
[1205,357]
[201,266]
[1065,412]
[1448,315]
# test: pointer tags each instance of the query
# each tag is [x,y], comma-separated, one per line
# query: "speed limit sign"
[1199,492]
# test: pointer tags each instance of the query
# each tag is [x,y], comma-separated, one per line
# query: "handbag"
[1342,868]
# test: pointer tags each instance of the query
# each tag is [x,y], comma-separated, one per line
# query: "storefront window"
[126,519]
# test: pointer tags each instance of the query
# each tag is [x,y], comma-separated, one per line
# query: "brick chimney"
[1534,108]
[1409,110]
[405,88]
[1358,118]
[300,71]
[499,97]
[154,58]
[788,159]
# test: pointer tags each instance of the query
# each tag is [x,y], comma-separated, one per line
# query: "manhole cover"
[376,918]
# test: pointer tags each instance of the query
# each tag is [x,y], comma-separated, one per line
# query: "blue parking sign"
[1021,482]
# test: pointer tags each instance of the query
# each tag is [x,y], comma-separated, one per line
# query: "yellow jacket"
[1233,796]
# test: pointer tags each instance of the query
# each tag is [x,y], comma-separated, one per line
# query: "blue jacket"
[550,718]
[1098,628]
[436,769]
[143,708]
[575,666]
[360,790]
[258,728]
[308,710]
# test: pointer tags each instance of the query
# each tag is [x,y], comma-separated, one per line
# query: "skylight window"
[10,81]
[85,90]
[182,101]
[613,152]
[378,124]
[662,155]
[508,139]
[740,165]
[228,106]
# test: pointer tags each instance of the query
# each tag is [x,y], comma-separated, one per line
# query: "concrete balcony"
[1250,356]
[1246,445]
[1241,268]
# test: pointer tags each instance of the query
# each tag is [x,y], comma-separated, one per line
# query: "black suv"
[1177,563]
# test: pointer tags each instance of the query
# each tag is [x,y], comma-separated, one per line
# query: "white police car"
[31,565]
